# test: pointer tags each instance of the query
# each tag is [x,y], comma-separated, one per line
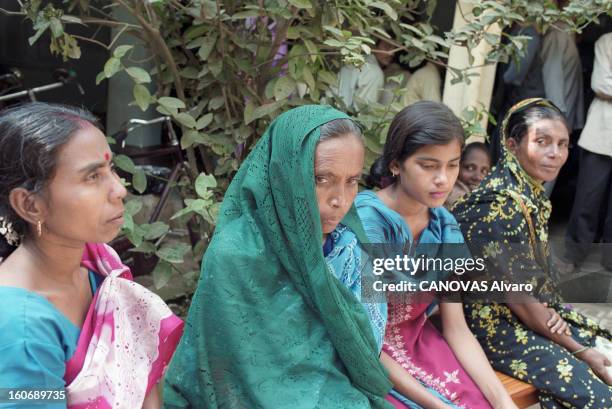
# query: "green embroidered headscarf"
[269,326]
[493,216]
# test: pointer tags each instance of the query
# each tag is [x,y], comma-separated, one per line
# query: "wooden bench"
[523,394]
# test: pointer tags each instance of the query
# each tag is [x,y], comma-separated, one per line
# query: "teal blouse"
[36,341]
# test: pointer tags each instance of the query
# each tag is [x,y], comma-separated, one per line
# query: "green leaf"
[133,207]
[195,43]
[266,109]
[207,46]
[112,66]
[142,96]
[216,66]
[71,19]
[123,162]
[204,121]
[216,102]
[190,73]
[203,183]
[214,211]
[220,143]
[245,14]
[335,31]
[171,103]
[40,31]
[249,111]
[312,49]
[241,134]
[166,111]
[269,89]
[100,77]
[139,180]
[190,137]
[386,8]
[181,213]
[120,51]
[201,207]
[173,254]
[128,223]
[293,33]
[145,247]
[492,38]
[283,87]
[155,230]
[301,4]
[185,119]
[139,75]
[332,42]
[161,274]
[135,236]
[56,27]
[310,81]
[195,31]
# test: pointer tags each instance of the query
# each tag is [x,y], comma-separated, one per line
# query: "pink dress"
[410,338]
[413,342]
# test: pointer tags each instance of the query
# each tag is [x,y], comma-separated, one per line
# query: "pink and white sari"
[126,342]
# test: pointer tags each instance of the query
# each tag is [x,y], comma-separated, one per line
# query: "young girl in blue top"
[420,164]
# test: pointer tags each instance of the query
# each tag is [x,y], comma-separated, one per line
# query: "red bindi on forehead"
[106,156]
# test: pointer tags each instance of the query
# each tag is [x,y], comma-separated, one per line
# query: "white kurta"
[597,134]
[424,85]
[359,86]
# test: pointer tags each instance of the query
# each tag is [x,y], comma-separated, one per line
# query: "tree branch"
[160,46]
[285,59]
[12,13]
[90,40]
[119,34]
[110,23]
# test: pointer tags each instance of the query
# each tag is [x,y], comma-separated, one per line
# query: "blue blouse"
[344,258]
[384,225]
[36,341]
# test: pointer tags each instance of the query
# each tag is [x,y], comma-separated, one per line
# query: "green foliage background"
[216,75]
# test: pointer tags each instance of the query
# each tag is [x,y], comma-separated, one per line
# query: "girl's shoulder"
[381,223]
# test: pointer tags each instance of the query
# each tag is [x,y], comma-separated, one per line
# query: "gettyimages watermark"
[473,272]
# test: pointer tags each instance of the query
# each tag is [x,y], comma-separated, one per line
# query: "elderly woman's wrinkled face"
[85,197]
[337,170]
[474,167]
[544,150]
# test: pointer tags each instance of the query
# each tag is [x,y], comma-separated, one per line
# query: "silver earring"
[7,231]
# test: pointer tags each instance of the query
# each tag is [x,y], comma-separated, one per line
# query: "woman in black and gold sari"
[532,337]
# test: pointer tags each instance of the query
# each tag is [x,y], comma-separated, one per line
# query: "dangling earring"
[39,228]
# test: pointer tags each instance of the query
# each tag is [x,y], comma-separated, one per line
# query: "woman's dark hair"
[420,124]
[30,137]
[520,121]
[475,146]
[339,127]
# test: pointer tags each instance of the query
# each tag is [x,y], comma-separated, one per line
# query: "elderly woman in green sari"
[531,336]
[272,323]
